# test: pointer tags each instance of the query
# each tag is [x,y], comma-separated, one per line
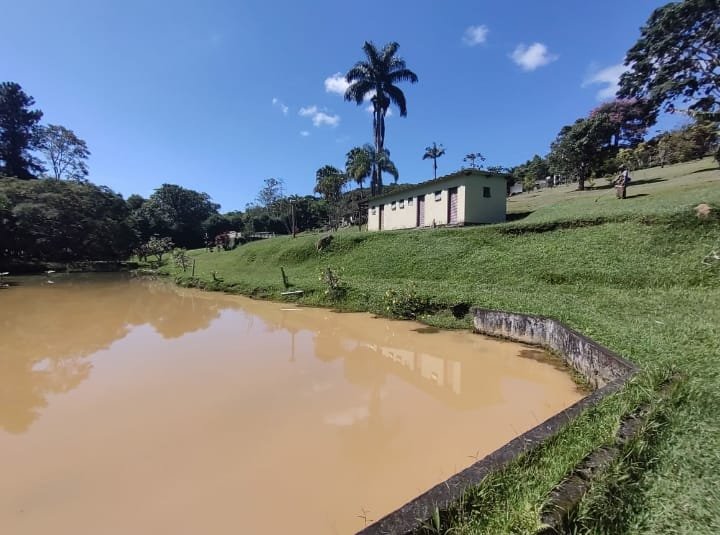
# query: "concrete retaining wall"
[602,368]
[596,363]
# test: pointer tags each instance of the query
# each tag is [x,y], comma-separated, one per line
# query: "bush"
[336,289]
[405,303]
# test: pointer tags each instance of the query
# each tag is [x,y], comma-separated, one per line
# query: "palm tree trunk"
[379,142]
[375,181]
[435,167]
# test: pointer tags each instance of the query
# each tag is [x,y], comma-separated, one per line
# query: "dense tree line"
[62,221]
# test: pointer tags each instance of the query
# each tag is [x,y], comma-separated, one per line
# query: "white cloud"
[531,57]
[609,77]
[475,35]
[304,133]
[278,103]
[322,118]
[336,84]
[319,118]
[308,111]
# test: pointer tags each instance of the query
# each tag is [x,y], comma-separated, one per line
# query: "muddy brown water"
[131,406]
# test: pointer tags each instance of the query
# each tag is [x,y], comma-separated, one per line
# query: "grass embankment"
[627,273]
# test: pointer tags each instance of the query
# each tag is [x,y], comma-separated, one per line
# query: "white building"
[467,197]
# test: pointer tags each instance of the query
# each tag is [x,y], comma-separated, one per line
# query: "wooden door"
[421,211]
[452,206]
[380,211]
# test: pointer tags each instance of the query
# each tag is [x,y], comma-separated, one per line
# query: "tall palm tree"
[434,152]
[375,78]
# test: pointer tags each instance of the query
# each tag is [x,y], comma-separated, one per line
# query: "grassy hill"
[628,273]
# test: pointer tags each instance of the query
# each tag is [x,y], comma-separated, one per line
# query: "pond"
[132,406]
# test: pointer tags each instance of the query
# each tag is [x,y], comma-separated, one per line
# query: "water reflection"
[265,403]
[47,332]
[370,355]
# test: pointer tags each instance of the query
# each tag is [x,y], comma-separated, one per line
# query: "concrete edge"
[605,371]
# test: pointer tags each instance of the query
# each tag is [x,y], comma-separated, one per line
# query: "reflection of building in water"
[444,373]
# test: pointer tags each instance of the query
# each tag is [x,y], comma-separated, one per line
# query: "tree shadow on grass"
[633,182]
[516,216]
[637,195]
[711,168]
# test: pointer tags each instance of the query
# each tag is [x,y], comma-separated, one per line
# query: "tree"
[433,152]
[358,165]
[376,77]
[64,151]
[271,192]
[499,169]
[134,201]
[629,120]
[677,57]
[329,182]
[581,148]
[361,162]
[175,212]
[470,158]
[382,162]
[532,171]
[18,124]
[62,221]
[156,246]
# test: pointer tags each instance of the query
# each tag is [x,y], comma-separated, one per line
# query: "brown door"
[380,223]
[421,211]
[452,206]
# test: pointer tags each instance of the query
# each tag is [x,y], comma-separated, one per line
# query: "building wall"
[479,209]
[471,204]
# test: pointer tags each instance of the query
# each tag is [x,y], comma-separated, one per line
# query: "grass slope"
[628,273]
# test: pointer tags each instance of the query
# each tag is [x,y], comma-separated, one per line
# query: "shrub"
[336,289]
[405,303]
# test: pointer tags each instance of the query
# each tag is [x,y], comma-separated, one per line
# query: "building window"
[486,192]
[402,203]
[438,195]
[410,200]
[374,210]
[393,205]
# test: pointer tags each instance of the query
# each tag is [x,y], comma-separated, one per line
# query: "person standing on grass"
[622,182]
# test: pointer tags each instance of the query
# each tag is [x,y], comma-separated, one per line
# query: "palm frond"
[397,97]
[360,71]
[403,75]
[388,53]
[357,91]
[396,64]
[372,53]
[389,167]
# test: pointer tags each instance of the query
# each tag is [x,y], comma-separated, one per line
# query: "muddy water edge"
[133,406]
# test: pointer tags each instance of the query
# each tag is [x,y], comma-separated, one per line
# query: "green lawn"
[627,273]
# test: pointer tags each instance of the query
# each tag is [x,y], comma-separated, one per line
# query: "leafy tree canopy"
[64,152]
[677,57]
[175,212]
[62,221]
[581,148]
[18,123]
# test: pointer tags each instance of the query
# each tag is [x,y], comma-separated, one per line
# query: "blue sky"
[219,95]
